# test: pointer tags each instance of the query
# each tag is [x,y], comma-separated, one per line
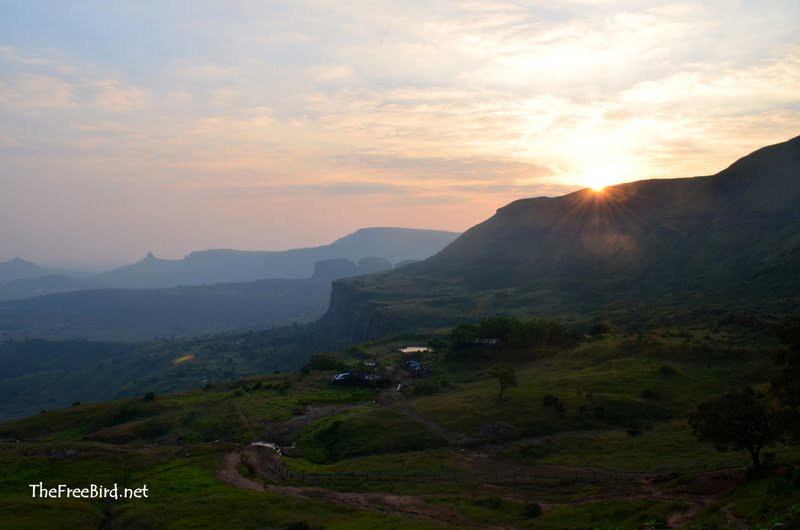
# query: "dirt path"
[393,399]
[733,519]
[477,457]
[403,505]
[229,474]
[452,437]
[698,494]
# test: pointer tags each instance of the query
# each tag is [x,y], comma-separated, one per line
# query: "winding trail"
[698,495]
[260,462]
[377,502]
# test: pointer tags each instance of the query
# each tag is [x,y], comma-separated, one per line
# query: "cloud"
[348,188]
[13,55]
[205,72]
[8,141]
[445,109]
[113,96]
[36,91]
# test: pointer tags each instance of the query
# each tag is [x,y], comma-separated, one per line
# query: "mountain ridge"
[137,314]
[585,251]
[228,266]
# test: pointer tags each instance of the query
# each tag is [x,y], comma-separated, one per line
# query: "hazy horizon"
[79,267]
[136,127]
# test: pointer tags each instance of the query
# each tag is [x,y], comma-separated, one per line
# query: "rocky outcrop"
[351,316]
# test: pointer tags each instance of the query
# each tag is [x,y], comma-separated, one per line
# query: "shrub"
[794,477]
[425,387]
[325,362]
[780,487]
[149,396]
[648,393]
[299,525]
[537,450]
[667,370]
[492,503]
[529,511]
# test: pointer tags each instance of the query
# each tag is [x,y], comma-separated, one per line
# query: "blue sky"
[175,126]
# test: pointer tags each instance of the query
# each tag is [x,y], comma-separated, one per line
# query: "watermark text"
[93,491]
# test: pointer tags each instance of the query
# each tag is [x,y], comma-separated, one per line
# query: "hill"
[631,251]
[141,314]
[224,266]
[396,245]
[41,285]
[19,268]
[433,452]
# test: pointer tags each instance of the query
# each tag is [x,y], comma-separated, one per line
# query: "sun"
[598,178]
[597,186]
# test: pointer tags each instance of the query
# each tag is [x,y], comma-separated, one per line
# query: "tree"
[437,345]
[741,420]
[505,375]
[463,334]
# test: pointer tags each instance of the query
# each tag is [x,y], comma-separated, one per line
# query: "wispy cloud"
[441,108]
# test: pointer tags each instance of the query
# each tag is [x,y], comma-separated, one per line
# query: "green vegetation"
[39,374]
[362,432]
[592,419]
[741,420]
[505,375]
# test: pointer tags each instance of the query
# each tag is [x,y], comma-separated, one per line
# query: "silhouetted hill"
[217,266]
[125,314]
[228,266]
[41,285]
[18,268]
[731,238]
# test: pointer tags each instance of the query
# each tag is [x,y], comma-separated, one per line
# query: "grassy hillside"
[580,468]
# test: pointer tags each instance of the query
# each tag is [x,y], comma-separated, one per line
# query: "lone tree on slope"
[505,375]
[741,420]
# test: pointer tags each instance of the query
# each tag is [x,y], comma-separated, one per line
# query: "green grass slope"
[449,423]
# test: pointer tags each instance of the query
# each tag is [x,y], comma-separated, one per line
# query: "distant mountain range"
[23,279]
[143,314]
[652,247]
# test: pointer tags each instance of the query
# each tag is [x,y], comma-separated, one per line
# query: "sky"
[173,126]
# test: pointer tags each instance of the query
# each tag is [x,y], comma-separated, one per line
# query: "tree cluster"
[510,331]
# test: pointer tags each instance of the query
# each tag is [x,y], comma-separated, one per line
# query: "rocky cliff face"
[351,316]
